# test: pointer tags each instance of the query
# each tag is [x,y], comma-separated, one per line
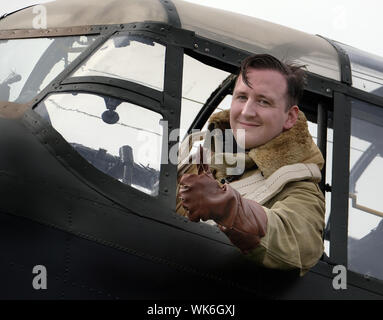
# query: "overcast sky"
[354,22]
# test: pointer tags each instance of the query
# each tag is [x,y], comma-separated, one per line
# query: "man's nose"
[249,109]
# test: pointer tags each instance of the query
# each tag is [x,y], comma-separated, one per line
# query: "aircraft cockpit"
[100,101]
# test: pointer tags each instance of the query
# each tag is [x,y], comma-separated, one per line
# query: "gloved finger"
[238,239]
[184,188]
[202,165]
[225,230]
[187,179]
[193,217]
[190,181]
[187,201]
[194,211]
[187,191]
[191,212]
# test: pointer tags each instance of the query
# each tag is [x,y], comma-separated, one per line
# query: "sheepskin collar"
[291,146]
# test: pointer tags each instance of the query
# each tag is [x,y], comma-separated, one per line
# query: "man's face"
[261,109]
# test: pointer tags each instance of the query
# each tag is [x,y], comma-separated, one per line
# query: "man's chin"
[247,145]
[251,146]
[241,139]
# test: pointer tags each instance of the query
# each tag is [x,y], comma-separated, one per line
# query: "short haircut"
[294,74]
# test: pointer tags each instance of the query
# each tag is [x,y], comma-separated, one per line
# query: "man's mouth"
[248,124]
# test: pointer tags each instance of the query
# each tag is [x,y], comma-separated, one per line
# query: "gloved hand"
[243,221]
[249,225]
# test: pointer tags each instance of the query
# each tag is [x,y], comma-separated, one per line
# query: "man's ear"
[292,117]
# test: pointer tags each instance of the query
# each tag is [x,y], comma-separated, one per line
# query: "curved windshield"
[367,70]
[365,225]
[119,138]
[28,65]
[126,57]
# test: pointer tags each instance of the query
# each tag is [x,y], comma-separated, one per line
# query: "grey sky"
[354,22]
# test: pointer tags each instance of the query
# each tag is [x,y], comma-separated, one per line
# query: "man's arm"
[295,224]
[283,234]
[203,198]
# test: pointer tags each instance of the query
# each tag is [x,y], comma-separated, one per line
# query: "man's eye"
[241,97]
[263,102]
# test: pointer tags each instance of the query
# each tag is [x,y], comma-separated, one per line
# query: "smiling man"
[274,211]
[260,106]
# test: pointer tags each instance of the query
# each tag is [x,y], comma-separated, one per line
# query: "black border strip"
[340,180]
[12,12]
[55,83]
[171,11]
[364,96]
[322,139]
[172,104]
[97,88]
[118,83]
[326,87]
[344,61]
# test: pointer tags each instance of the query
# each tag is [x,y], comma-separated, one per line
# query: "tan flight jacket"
[295,213]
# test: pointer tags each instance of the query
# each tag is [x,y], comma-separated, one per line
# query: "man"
[274,212]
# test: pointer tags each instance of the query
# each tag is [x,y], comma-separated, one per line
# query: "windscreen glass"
[198,83]
[28,65]
[126,57]
[365,225]
[366,70]
[119,138]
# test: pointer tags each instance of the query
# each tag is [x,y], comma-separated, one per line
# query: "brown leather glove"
[243,221]
[249,225]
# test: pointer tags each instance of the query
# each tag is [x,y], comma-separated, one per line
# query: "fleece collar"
[291,146]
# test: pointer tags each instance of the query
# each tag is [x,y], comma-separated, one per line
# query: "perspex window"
[126,57]
[365,226]
[119,138]
[366,69]
[28,65]
[198,82]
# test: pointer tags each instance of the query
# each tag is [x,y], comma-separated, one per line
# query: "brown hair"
[294,74]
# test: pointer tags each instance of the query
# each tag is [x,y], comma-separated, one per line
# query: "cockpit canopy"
[249,34]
